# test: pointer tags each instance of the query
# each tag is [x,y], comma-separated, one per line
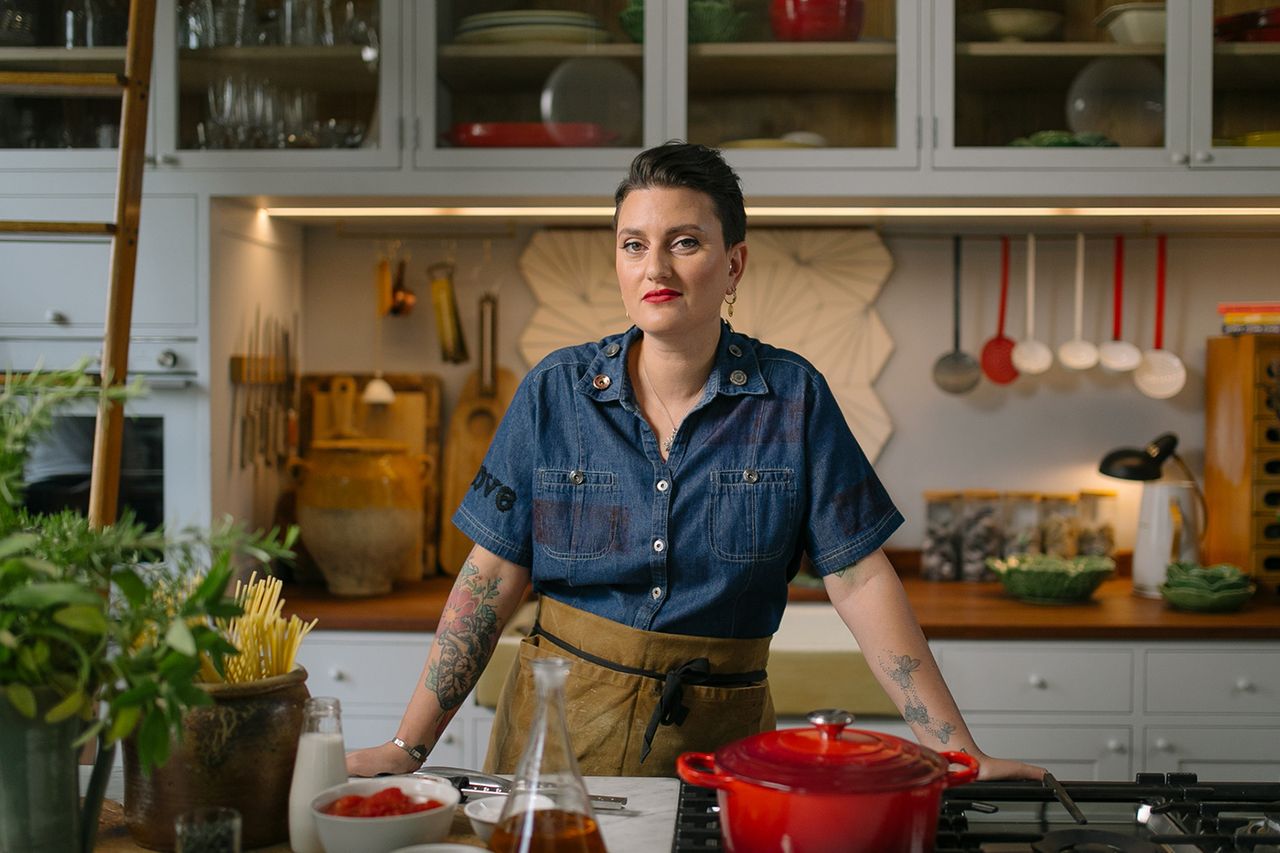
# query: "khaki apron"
[608,711]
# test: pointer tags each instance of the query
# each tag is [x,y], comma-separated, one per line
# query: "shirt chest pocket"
[753,514]
[576,513]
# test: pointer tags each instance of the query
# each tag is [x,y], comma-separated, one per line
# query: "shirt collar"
[736,370]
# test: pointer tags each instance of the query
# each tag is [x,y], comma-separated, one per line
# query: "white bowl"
[384,834]
[1134,23]
[1012,24]
[484,813]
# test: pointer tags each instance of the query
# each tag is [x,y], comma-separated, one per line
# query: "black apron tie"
[671,710]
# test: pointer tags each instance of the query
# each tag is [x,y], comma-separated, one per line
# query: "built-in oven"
[164,470]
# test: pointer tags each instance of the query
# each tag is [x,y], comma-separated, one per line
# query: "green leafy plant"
[114,620]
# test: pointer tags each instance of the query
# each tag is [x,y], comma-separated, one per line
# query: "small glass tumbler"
[208,829]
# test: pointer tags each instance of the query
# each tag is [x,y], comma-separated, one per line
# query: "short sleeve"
[497,511]
[850,514]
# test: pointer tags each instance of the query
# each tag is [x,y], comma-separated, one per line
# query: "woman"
[659,488]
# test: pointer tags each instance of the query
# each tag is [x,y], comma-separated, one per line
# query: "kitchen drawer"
[64,279]
[990,678]
[1200,682]
[1266,531]
[1071,753]
[364,668]
[1266,434]
[1240,754]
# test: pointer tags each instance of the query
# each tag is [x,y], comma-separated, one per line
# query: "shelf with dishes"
[793,67]
[994,66]
[481,67]
[90,59]
[1244,65]
[342,68]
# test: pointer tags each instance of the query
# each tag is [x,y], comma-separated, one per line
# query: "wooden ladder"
[133,87]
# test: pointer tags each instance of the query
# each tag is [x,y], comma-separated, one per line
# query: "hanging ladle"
[1077,353]
[956,372]
[997,353]
[1161,374]
[1029,355]
[1117,355]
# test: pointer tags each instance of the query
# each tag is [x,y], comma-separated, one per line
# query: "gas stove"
[1156,813]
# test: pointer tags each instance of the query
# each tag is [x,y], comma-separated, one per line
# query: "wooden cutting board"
[480,408]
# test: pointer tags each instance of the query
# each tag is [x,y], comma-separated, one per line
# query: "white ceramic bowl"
[384,834]
[1012,24]
[1134,23]
[484,813]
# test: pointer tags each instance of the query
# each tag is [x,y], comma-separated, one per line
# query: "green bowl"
[631,19]
[709,21]
[1040,579]
[1206,601]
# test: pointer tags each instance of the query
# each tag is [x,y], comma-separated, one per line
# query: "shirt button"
[738,377]
[577,477]
[602,381]
[612,349]
[656,592]
[659,545]
[750,475]
[663,485]
[735,350]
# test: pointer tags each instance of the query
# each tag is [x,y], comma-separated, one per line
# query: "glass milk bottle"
[548,810]
[321,764]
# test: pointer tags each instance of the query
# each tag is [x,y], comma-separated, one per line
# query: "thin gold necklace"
[671,439]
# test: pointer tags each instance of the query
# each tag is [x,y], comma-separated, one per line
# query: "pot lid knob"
[830,721]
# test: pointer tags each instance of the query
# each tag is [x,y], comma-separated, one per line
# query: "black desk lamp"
[1167,528]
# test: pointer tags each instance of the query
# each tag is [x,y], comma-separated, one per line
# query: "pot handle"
[958,777]
[698,768]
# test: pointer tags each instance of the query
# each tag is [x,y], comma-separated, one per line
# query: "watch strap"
[418,752]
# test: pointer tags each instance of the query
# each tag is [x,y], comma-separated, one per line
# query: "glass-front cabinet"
[536,82]
[278,83]
[1235,83]
[799,83]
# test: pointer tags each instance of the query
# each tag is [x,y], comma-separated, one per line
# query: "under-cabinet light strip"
[779,212]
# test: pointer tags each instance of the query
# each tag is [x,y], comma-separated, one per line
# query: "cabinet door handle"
[55,316]
[168,160]
[1163,745]
[448,739]
[1037,681]
[1116,746]
[1202,157]
[1178,158]
[337,674]
[1245,685]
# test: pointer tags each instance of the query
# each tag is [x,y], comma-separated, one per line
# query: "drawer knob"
[1245,685]
[55,316]
[337,674]
[1163,745]
[1116,746]
[1037,681]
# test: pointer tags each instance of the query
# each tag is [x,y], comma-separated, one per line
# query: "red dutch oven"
[827,788]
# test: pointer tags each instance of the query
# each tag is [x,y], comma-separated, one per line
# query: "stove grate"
[697,820]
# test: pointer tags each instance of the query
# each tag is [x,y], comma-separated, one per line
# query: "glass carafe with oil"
[548,810]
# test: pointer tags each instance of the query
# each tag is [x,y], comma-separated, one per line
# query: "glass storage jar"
[1021,523]
[939,555]
[1059,524]
[980,533]
[1097,522]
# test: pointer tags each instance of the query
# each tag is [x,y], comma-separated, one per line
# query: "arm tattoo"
[467,633]
[901,669]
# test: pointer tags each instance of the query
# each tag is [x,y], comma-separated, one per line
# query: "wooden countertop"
[970,611]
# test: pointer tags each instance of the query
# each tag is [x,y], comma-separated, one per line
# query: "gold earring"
[729,299]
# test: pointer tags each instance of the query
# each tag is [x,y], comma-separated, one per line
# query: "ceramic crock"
[238,752]
[827,788]
[360,512]
[816,20]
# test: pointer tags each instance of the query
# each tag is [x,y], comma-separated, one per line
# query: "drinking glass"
[208,829]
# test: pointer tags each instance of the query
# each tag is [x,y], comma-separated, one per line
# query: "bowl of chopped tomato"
[380,815]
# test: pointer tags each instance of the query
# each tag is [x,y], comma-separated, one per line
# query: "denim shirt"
[763,469]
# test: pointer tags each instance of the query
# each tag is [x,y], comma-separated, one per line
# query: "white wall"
[1042,433]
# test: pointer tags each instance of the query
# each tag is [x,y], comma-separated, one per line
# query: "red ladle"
[997,353]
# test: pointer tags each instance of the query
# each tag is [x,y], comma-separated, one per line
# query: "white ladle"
[1029,355]
[1161,374]
[1117,355]
[378,392]
[1077,353]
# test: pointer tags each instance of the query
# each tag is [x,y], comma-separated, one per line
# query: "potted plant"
[102,631]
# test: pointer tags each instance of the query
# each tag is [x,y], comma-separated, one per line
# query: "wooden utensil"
[997,353]
[480,407]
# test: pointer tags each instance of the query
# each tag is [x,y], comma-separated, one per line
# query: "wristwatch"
[418,752]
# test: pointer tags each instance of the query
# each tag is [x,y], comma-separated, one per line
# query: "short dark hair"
[687,165]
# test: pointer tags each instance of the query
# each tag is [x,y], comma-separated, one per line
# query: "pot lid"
[830,758]
[361,445]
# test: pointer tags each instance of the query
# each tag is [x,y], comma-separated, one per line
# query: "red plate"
[529,134]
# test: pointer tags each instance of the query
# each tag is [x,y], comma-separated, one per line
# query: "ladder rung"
[21,227]
[61,84]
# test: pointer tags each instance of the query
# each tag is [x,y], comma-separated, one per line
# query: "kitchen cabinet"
[373,674]
[1186,102]
[1095,753]
[1238,753]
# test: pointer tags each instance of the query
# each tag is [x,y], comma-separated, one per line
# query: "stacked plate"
[530,25]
